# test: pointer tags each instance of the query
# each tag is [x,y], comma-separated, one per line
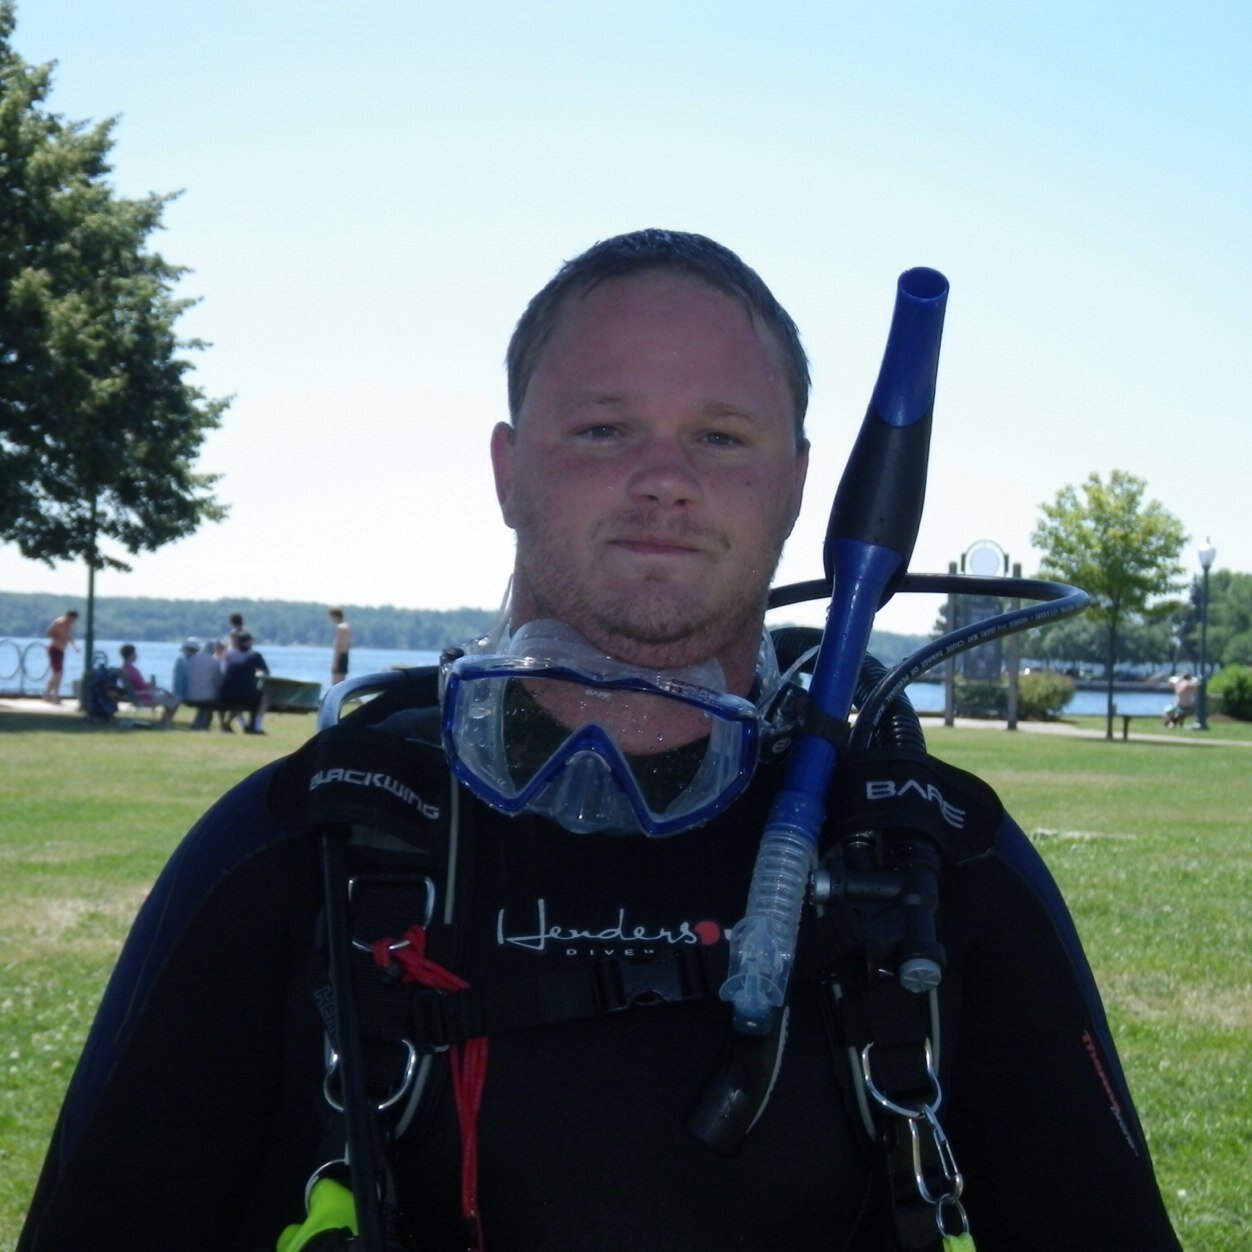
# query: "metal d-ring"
[406,1079]
[901,1110]
[428,912]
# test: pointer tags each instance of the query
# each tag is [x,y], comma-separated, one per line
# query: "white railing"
[23,667]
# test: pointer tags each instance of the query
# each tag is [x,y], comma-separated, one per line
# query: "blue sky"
[373,189]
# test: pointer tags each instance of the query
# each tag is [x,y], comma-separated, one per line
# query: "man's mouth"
[647,545]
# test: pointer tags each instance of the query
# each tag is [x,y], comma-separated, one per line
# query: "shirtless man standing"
[60,634]
[341,645]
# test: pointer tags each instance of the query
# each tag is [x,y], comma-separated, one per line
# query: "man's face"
[653,474]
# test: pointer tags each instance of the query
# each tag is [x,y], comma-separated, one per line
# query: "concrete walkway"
[1180,735]
[68,707]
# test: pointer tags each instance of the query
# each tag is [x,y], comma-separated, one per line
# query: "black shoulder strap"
[375,792]
[380,782]
[884,1029]
[361,772]
[892,789]
[881,1031]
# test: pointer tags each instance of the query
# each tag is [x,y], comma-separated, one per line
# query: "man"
[204,682]
[652,470]
[178,680]
[340,646]
[1184,701]
[60,633]
[242,674]
[188,686]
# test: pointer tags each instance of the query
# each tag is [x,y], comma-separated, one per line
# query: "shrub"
[1041,694]
[1234,686]
[980,698]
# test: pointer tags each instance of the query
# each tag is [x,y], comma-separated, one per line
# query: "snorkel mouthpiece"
[873,527]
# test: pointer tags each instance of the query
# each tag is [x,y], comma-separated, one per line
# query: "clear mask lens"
[553,726]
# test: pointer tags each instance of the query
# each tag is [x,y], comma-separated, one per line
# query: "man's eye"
[598,433]
[722,439]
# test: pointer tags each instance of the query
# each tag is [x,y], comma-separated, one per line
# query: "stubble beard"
[657,622]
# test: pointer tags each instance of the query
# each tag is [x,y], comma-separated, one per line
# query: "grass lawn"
[89,818]
[1148,840]
[1150,845]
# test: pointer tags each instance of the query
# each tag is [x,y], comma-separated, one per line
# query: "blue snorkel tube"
[869,541]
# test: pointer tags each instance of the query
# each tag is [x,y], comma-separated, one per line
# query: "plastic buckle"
[432,1023]
[622,984]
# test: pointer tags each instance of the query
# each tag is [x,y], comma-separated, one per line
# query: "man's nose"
[664,474]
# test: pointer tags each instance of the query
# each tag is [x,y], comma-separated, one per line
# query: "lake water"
[928,698]
[157,660]
[313,665]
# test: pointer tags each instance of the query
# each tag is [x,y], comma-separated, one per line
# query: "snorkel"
[869,540]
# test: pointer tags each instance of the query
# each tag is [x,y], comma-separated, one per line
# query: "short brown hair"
[625,255]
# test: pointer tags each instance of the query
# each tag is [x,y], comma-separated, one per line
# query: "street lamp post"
[1207,553]
[983,663]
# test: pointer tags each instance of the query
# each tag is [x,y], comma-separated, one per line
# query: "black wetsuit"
[196,1115]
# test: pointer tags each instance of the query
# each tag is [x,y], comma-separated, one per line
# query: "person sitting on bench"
[241,686]
[1184,701]
[140,692]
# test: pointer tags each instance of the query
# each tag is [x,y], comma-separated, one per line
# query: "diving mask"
[551,725]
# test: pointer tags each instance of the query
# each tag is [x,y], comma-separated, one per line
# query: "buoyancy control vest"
[378,791]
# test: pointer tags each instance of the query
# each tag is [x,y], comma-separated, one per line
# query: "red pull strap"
[468,1061]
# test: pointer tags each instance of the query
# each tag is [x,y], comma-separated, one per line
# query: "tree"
[99,428]
[1229,617]
[1075,641]
[1123,552]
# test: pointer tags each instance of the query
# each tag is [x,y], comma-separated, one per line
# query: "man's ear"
[503,439]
